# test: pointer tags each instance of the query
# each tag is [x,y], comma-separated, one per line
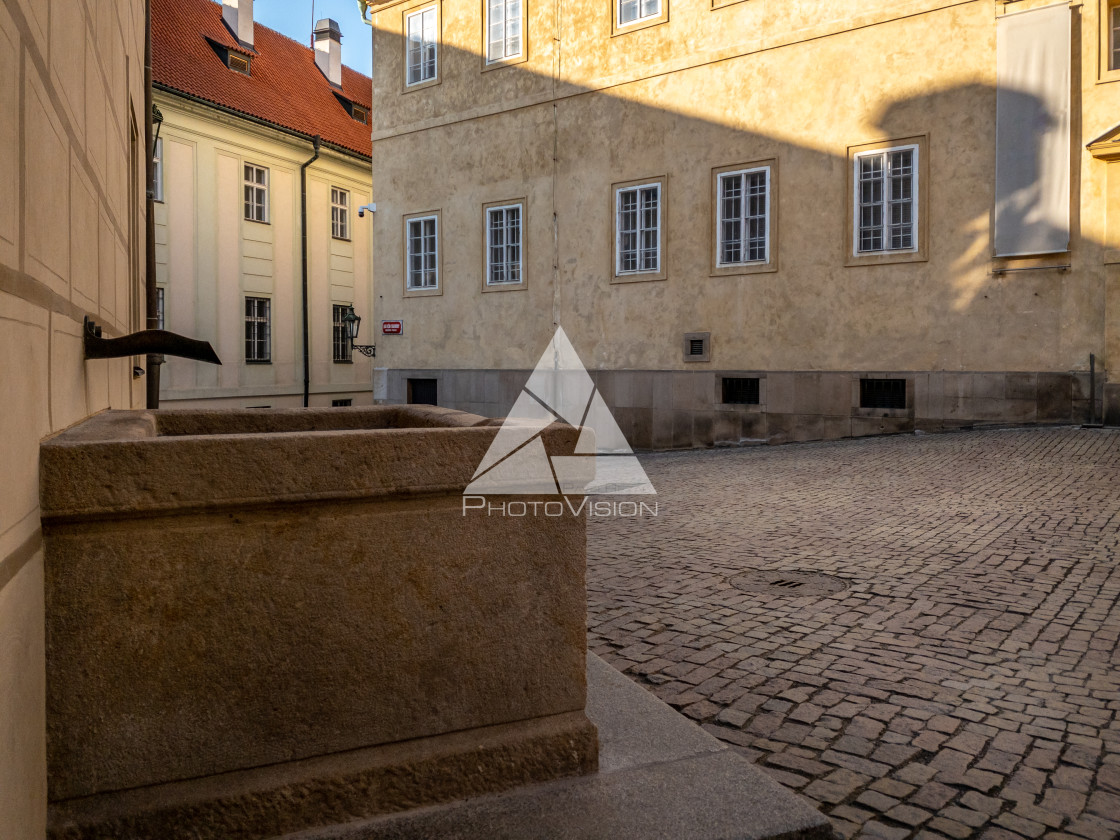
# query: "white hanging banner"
[1033,131]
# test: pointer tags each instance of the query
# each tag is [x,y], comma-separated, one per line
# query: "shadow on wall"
[974,346]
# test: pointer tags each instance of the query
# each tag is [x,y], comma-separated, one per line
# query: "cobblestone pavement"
[966,683]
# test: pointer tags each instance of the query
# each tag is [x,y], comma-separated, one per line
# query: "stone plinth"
[259,621]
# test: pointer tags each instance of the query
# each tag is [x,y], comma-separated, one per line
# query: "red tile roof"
[286,88]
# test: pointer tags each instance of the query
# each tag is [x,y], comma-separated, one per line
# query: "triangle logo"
[560,389]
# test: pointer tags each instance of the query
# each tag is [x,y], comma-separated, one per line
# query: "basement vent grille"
[341,403]
[740,390]
[696,347]
[882,393]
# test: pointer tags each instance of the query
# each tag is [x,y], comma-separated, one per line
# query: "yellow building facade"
[72,217]
[756,220]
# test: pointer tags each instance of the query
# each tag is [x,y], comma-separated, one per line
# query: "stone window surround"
[487,286]
[1106,9]
[921,204]
[771,262]
[663,231]
[407,12]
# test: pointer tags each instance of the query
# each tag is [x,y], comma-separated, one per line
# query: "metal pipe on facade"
[1092,389]
[303,259]
[151,305]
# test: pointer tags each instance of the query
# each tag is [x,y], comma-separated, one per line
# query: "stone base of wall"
[684,409]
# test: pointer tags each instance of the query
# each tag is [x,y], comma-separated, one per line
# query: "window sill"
[421,85]
[258,361]
[636,25]
[886,258]
[640,277]
[341,238]
[503,287]
[342,361]
[503,62]
[423,292]
[258,221]
[744,269]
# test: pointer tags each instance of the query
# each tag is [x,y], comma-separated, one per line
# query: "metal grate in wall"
[696,347]
[882,393]
[740,390]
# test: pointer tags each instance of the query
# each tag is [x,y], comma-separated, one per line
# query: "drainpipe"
[303,257]
[150,304]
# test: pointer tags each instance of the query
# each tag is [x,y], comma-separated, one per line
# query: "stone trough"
[260,621]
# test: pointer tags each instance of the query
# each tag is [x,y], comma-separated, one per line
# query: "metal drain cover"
[793,584]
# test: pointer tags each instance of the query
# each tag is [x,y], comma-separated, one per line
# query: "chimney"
[328,50]
[238,15]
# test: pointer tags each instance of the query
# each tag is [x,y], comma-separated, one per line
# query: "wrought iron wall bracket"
[144,343]
[369,350]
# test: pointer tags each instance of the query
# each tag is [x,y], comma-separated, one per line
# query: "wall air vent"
[240,63]
[698,347]
[882,393]
[740,390]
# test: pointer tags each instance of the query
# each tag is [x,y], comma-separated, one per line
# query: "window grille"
[744,217]
[882,393]
[341,403]
[503,245]
[740,390]
[340,345]
[258,338]
[639,229]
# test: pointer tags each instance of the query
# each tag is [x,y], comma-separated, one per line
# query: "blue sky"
[293,18]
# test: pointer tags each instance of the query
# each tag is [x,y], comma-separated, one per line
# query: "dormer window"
[240,63]
[359,113]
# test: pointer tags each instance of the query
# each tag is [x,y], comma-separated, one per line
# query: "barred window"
[423,262]
[638,243]
[503,29]
[340,213]
[258,332]
[256,193]
[631,11]
[886,193]
[421,45]
[341,349]
[160,317]
[744,217]
[503,245]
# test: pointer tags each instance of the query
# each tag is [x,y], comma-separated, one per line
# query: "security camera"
[370,207]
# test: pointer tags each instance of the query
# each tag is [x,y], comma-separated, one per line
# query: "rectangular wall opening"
[882,393]
[740,390]
[422,392]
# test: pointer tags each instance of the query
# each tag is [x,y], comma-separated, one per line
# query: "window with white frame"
[423,256]
[157,174]
[632,11]
[638,229]
[886,200]
[161,318]
[421,45]
[743,217]
[258,329]
[503,245]
[340,213]
[503,29]
[342,350]
[1114,36]
[256,193]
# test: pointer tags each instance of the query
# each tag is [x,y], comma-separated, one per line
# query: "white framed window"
[340,213]
[743,217]
[1114,36]
[341,350]
[256,193]
[161,317]
[503,244]
[503,29]
[258,330]
[886,200]
[422,252]
[638,229]
[633,11]
[421,28]
[157,174]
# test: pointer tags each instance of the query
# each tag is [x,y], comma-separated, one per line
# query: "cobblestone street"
[964,682]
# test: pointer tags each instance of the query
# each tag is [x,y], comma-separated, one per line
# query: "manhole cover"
[790,583]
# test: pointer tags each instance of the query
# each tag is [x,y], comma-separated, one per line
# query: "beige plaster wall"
[71,97]
[797,82]
[209,258]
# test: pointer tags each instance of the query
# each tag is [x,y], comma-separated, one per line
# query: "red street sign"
[392,327]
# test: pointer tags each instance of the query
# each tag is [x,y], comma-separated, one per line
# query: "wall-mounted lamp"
[352,322]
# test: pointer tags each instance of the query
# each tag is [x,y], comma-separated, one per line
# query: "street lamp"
[352,322]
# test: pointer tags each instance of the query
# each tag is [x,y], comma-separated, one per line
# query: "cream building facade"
[72,217]
[757,221]
[229,237]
